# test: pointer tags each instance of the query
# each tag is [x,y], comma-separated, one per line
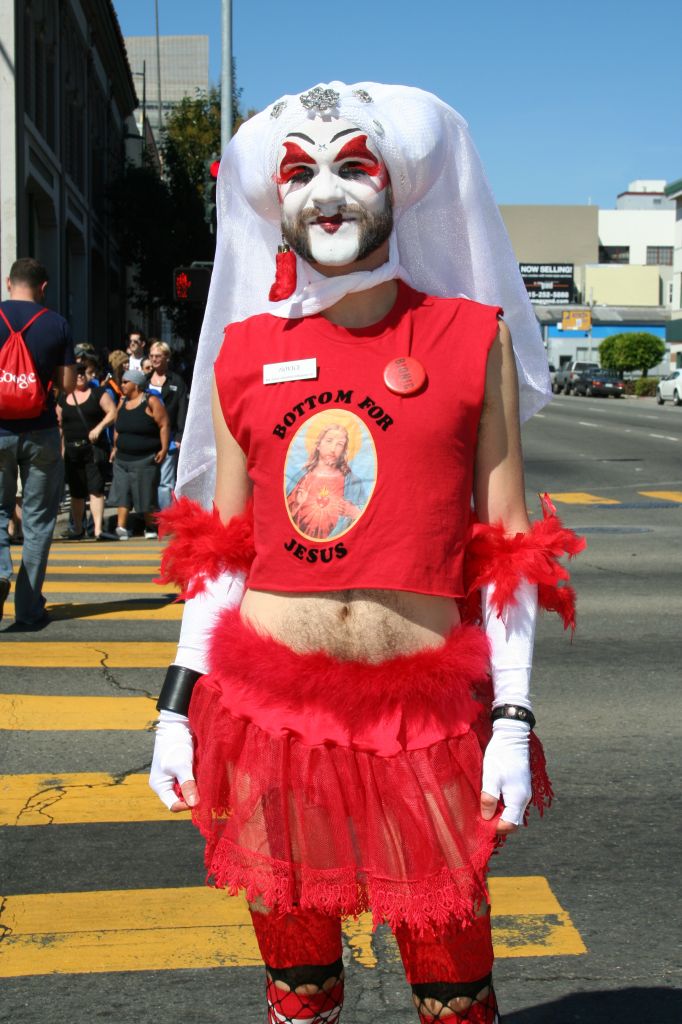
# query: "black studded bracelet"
[514,712]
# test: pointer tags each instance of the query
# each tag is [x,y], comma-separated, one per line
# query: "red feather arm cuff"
[202,546]
[493,557]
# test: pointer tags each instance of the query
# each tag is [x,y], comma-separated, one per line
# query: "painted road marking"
[42,714]
[86,587]
[96,654]
[156,929]
[139,609]
[102,570]
[77,556]
[581,498]
[586,423]
[675,496]
[75,548]
[79,798]
[664,437]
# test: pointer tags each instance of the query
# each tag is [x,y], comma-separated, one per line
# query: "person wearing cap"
[141,439]
[348,714]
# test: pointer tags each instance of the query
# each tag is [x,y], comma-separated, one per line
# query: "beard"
[373,230]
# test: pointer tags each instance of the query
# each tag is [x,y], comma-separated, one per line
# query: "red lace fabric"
[451,954]
[336,826]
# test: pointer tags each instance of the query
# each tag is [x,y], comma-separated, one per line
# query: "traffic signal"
[190,284]
[212,168]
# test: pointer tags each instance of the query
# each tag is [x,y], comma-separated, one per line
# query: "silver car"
[670,388]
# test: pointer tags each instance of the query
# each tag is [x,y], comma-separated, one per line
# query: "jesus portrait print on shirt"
[329,474]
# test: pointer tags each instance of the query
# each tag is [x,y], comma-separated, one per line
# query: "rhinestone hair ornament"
[449,238]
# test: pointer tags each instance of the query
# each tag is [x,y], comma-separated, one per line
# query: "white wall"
[637,229]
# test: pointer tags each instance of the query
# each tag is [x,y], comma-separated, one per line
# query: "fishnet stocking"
[473,1002]
[307,994]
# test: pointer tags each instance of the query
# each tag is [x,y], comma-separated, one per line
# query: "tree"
[607,353]
[631,350]
[639,350]
[162,219]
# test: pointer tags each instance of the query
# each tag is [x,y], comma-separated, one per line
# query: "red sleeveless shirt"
[356,487]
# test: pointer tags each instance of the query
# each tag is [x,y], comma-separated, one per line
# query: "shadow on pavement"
[60,612]
[623,1006]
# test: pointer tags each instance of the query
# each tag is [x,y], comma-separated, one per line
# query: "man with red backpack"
[36,354]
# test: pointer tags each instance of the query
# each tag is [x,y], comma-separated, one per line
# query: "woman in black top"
[83,416]
[141,440]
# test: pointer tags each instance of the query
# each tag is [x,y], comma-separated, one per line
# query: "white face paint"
[333,192]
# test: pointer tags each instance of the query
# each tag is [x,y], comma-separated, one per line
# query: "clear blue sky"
[567,102]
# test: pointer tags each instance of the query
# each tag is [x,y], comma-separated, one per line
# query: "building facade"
[184,72]
[66,99]
[617,264]
[674,330]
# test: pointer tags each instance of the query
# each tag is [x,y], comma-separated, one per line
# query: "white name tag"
[295,369]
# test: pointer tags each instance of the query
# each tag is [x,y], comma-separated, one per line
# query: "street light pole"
[226,83]
[158,66]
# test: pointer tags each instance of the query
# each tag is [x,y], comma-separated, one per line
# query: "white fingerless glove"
[506,768]
[506,762]
[173,756]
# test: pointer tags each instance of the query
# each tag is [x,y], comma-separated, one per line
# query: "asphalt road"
[608,709]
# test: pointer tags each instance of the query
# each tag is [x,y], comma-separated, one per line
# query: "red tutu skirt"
[345,786]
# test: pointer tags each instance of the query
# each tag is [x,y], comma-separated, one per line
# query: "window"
[614,253]
[659,255]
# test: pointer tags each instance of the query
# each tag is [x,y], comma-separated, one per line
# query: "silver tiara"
[320,100]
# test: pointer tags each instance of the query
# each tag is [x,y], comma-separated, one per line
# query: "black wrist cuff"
[176,691]
[515,712]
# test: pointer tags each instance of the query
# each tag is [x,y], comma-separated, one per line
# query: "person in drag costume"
[348,716]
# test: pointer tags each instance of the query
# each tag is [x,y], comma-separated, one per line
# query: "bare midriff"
[364,625]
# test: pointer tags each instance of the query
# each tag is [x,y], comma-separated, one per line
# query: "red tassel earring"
[284,284]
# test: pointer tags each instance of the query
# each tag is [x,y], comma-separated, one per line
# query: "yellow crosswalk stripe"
[145,610]
[581,498]
[113,653]
[124,610]
[675,496]
[40,714]
[104,550]
[90,587]
[198,927]
[105,557]
[79,798]
[101,570]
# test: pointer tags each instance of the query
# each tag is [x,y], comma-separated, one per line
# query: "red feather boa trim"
[494,557]
[203,546]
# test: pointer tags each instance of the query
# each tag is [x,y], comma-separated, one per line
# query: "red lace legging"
[302,951]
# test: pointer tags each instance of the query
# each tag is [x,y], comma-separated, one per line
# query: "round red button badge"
[404,375]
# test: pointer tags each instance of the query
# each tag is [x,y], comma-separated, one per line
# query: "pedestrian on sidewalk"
[136,349]
[172,390]
[141,439]
[84,416]
[30,444]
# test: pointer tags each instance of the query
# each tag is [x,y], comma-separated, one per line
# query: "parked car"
[670,387]
[566,375]
[598,382]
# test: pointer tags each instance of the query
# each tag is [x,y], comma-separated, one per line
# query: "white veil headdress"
[449,238]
